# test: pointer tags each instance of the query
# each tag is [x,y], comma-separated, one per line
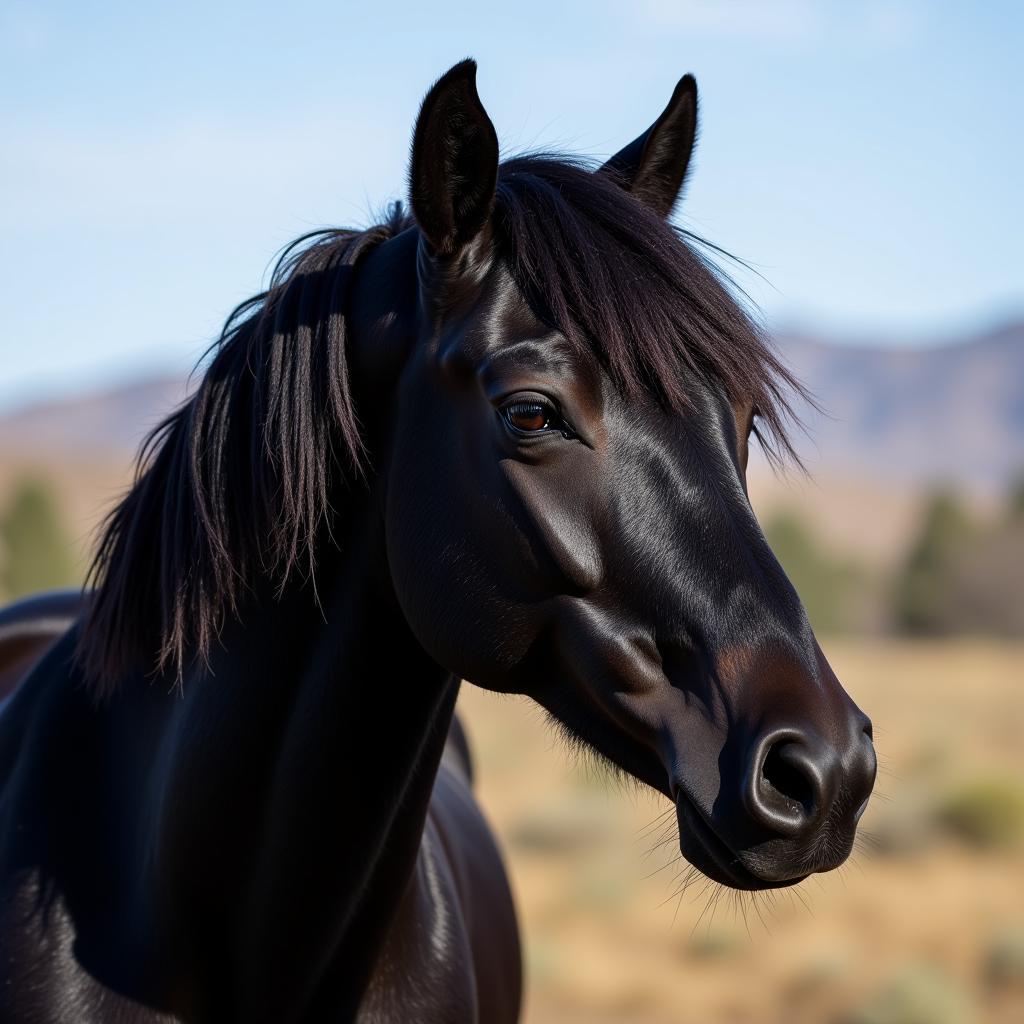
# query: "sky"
[865,159]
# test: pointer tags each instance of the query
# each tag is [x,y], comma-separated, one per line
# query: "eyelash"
[552,419]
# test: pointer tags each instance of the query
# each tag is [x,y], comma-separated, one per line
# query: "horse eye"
[528,417]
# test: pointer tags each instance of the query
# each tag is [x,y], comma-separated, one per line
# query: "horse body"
[104,923]
[502,440]
[28,629]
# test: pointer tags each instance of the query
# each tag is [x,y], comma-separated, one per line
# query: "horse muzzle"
[794,812]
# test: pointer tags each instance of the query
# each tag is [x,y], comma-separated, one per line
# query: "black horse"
[475,972]
[502,440]
[28,629]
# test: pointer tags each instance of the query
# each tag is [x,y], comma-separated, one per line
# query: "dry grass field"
[925,927]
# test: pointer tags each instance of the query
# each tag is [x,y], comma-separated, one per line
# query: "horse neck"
[333,720]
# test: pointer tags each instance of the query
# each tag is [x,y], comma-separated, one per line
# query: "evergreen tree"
[826,585]
[35,553]
[925,598]
[1015,501]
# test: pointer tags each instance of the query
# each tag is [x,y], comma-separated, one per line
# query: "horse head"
[564,477]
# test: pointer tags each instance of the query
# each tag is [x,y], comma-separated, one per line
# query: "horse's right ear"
[454,167]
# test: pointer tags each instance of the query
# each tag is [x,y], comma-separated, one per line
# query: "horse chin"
[699,844]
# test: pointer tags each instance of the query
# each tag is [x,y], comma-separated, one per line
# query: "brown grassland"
[924,926]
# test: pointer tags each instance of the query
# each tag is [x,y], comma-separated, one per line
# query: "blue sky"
[866,158]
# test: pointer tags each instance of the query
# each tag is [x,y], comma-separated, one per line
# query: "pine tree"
[925,600]
[827,586]
[35,553]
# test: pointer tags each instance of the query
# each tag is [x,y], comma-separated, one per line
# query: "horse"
[473,873]
[499,438]
[28,628]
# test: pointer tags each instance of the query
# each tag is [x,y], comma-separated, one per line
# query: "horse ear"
[454,168]
[653,166]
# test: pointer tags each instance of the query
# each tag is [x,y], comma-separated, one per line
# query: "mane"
[637,292]
[237,484]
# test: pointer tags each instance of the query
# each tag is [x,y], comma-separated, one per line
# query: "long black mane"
[239,482]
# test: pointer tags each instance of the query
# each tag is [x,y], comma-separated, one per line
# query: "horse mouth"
[701,846]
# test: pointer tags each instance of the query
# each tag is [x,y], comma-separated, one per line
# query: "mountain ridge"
[907,417]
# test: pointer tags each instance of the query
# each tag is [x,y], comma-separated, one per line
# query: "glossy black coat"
[250,832]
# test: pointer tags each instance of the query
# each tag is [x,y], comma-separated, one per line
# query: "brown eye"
[528,417]
[532,415]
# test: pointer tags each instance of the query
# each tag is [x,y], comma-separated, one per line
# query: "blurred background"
[862,159]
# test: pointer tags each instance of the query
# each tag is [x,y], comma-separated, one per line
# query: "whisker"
[710,902]
[796,891]
[658,870]
[757,909]
[656,823]
[741,902]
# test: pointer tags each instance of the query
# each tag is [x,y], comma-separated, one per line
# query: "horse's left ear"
[653,166]
[454,167]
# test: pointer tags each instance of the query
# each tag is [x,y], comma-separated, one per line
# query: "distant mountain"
[903,415]
[105,425]
[913,416]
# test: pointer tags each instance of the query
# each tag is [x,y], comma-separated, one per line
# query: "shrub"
[917,995]
[1004,960]
[987,813]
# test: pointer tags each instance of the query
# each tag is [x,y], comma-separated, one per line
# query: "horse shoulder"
[421,971]
[486,900]
[456,912]
[28,628]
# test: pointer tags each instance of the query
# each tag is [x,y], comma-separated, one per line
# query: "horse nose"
[796,780]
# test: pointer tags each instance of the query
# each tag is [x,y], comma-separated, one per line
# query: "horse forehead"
[504,338]
[504,319]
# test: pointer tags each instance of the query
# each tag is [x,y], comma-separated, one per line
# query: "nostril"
[783,773]
[791,782]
